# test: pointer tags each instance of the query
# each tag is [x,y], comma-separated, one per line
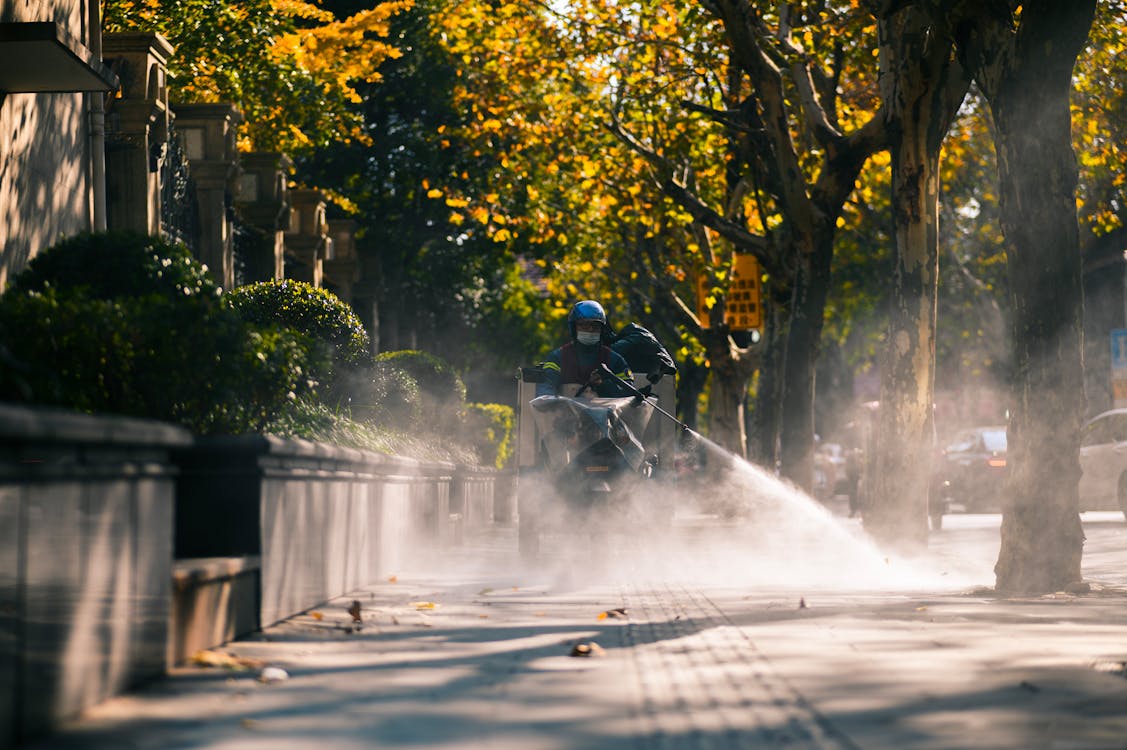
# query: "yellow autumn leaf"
[434,193]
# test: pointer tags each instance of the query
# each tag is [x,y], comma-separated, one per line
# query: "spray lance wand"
[605,372]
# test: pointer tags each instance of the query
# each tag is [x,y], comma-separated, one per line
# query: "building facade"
[53,85]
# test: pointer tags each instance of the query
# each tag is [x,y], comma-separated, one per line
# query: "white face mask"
[588,338]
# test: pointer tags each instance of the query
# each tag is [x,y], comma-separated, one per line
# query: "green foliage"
[450,283]
[164,346]
[335,334]
[436,378]
[385,394]
[290,66]
[117,264]
[490,429]
[442,393]
[312,420]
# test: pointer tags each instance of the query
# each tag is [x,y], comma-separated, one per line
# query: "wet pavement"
[704,638]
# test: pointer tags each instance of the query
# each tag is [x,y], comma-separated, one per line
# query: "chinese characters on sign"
[742,309]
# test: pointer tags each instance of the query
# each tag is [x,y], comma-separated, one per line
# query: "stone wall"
[322,520]
[125,545]
[86,509]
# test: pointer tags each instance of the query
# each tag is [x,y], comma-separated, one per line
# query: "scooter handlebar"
[604,370]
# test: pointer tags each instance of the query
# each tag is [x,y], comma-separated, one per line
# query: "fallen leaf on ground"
[393,579]
[316,615]
[424,605]
[483,592]
[223,660]
[354,610]
[587,648]
[617,612]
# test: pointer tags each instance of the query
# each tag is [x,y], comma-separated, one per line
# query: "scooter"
[591,463]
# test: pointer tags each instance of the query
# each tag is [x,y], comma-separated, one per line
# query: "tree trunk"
[766,422]
[811,287]
[922,91]
[1041,535]
[691,379]
[731,377]
[898,513]
[1026,77]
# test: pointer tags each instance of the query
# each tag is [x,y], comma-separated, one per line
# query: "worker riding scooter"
[586,442]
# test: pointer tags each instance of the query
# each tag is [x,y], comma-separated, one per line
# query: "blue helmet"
[588,309]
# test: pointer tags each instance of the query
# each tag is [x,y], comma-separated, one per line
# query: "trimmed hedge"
[313,311]
[111,265]
[436,378]
[123,323]
[127,324]
[490,430]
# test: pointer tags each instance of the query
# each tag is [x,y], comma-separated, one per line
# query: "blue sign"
[1119,348]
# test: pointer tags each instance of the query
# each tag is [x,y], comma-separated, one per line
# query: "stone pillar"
[208,132]
[342,271]
[308,243]
[263,203]
[136,130]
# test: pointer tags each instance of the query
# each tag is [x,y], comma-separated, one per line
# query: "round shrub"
[337,340]
[442,392]
[436,378]
[384,394]
[315,312]
[110,265]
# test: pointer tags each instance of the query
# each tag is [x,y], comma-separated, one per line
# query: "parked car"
[1103,459]
[971,470]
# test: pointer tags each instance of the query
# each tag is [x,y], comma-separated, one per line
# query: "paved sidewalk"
[700,645]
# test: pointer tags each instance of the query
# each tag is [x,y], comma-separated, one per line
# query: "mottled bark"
[763,434]
[732,370]
[808,305]
[1025,73]
[922,89]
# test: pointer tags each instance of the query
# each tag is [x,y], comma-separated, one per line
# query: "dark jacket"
[573,363]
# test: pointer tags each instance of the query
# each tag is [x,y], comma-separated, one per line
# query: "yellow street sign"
[743,310]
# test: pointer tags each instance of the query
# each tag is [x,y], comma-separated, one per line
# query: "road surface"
[715,635]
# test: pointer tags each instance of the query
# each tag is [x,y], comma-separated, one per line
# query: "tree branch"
[666,180]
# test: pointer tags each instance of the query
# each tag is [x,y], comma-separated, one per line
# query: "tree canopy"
[291,66]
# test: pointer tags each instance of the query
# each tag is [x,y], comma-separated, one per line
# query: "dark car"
[971,470]
[1103,459]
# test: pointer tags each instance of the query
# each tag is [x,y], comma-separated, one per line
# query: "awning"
[41,57]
